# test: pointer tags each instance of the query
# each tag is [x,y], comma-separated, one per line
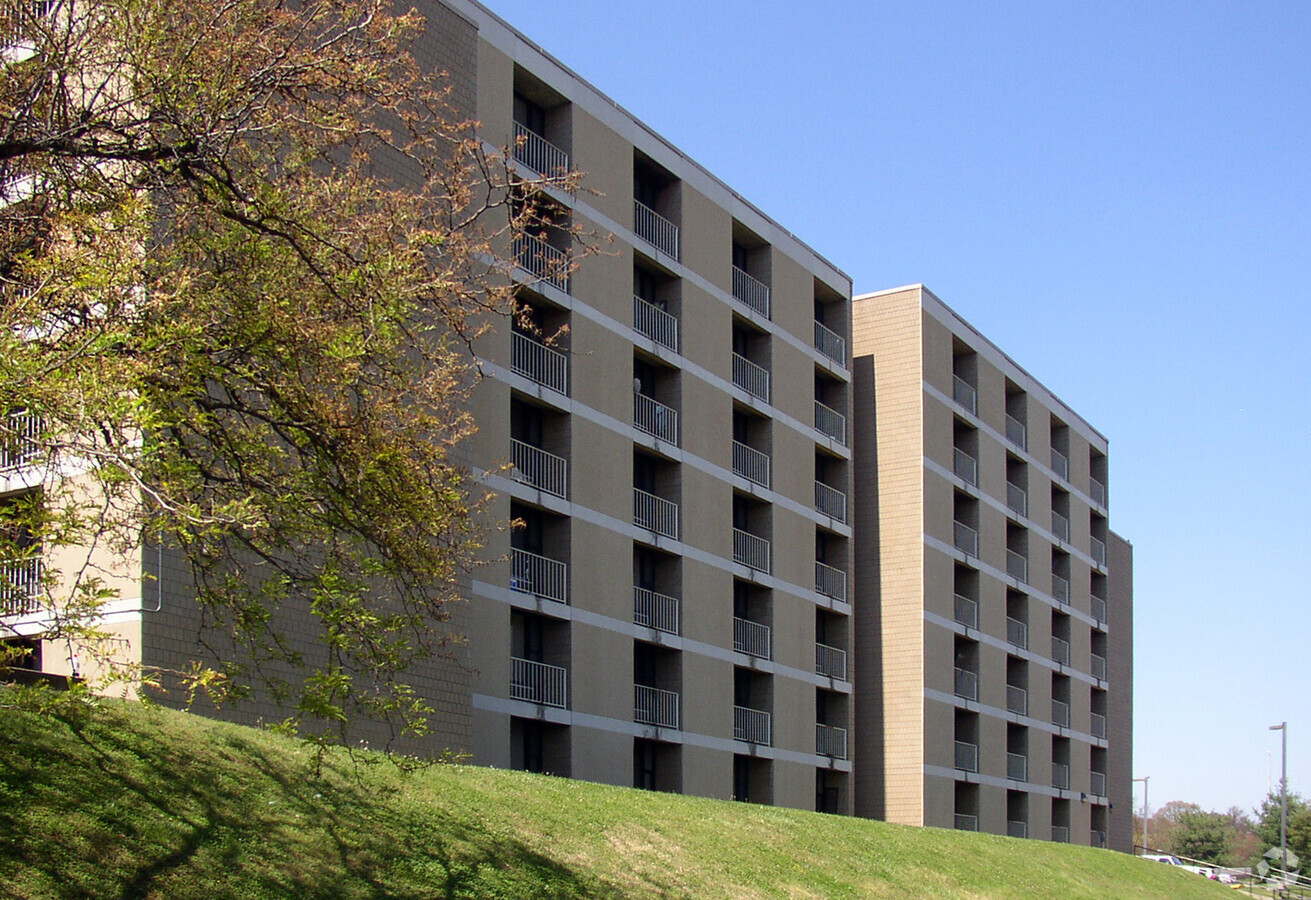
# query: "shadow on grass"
[134,806]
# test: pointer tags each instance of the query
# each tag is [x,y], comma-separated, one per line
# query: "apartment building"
[993,603]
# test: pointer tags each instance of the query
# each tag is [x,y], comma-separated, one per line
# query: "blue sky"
[1118,195]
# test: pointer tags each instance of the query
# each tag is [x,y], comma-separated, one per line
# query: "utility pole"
[1282,727]
[1144,780]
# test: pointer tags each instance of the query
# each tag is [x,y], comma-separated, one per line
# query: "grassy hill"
[135,802]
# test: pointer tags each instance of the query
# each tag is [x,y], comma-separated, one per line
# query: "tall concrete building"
[993,604]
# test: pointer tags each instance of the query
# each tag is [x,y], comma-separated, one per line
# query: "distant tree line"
[1230,838]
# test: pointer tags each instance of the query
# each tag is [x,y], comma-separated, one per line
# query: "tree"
[1200,835]
[245,250]
[1299,824]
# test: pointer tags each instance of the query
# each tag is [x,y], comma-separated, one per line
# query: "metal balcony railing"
[1017,767]
[967,611]
[1060,526]
[830,581]
[752,378]
[542,261]
[654,706]
[830,423]
[1098,548]
[538,682]
[967,684]
[755,294]
[752,638]
[654,610]
[18,439]
[750,550]
[1061,834]
[1097,783]
[1098,491]
[537,362]
[964,394]
[967,756]
[655,229]
[965,822]
[1098,667]
[1061,651]
[831,740]
[830,501]
[751,464]
[655,514]
[830,343]
[1061,713]
[20,586]
[531,573]
[1017,498]
[540,468]
[655,418]
[1016,433]
[655,323]
[830,662]
[1099,609]
[1017,829]
[1017,566]
[1061,776]
[1017,633]
[966,539]
[752,726]
[537,153]
[1017,700]
[1060,589]
[1060,464]
[966,467]
[1098,726]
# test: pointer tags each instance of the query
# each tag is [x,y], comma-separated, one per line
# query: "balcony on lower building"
[1017,566]
[655,323]
[966,539]
[965,467]
[655,418]
[537,682]
[1016,433]
[752,726]
[750,377]
[1017,767]
[1017,498]
[1060,713]
[1099,609]
[1017,700]
[20,586]
[655,610]
[830,662]
[1060,527]
[654,706]
[965,822]
[1017,829]
[1061,834]
[967,756]
[967,611]
[831,502]
[532,573]
[19,440]
[1061,776]
[1097,548]
[539,363]
[1098,667]
[1061,650]
[966,684]
[540,469]
[544,262]
[830,581]
[1017,633]
[1060,589]
[751,550]
[831,741]
[751,464]
[655,514]
[1060,464]
[752,638]
[830,343]
[1097,784]
[1098,491]
[1098,723]
[964,394]
[830,423]
[751,292]
[655,229]
[537,153]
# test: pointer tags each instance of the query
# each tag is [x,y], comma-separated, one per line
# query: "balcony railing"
[830,423]
[655,418]
[1061,713]
[1017,633]
[1017,566]
[755,294]
[964,394]
[1017,700]
[542,261]
[20,586]
[1061,776]
[1098,491]
[1016,433]
[752,638]
[965,822]
[830,581]
[966,467]
[538,682]
[830,501]
[537,153]
[967,756]
[655,229]
[653,706]
[1060,526]
[1017,498]
[1061,834]
[830,662]
[830,343]
[540,468]
[1017,767]
[538,362]
[18,440]
[655,323]
[750,550]
[967,611]
[538,575]
[1098,667]
[966,539]
[1097,783]
[1099,609]
[967,684]
[1061,651]
[1060,464]
[1098,726]
[653,610]
[1098,548]
[1017,829]
[750,377]
[751,725]
[751,464]
[831,741]
[655,514]
[1060,589]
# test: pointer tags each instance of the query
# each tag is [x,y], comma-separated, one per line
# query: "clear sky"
[1117,194]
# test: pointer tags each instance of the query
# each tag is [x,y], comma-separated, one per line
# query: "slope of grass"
[134,802]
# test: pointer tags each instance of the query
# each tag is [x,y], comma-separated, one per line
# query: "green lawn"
[136,802]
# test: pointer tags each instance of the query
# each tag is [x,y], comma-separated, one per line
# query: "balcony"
[537,468]
[537,153]
[966,539]
[831,582]
[653,322]
[655,229]
[967,756]
[1017,829]
[1060,464]
[1097,784]
[964,394]
[751,725]
[1098,667]
[1017,633]
[1017,700]
[20,586]
[1098,548]
[830,662]
[752,638]
[1060,589]
[542,261]
[1099,609]
[1061,776]
[965,822]
[653,706]
[1017,498]
[1061,713]
[831,502]
[654,610]
[754,294]
[1017,566]
[751,464]
[967,611]
[538,575]
[655,514]
[18,441]
[1061,834]
[1098,726]
[750,377]
[1017,767]
[831,741]
[538,682]
[656,419]
[830,343]
[1061,651]
[967,684]
[1098,491]
[1060,526]
[750,550]
[966,467]
[539,363]
[1016,433]
[830,423]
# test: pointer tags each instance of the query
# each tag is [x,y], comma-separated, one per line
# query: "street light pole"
[1282,728]
[1144,780]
